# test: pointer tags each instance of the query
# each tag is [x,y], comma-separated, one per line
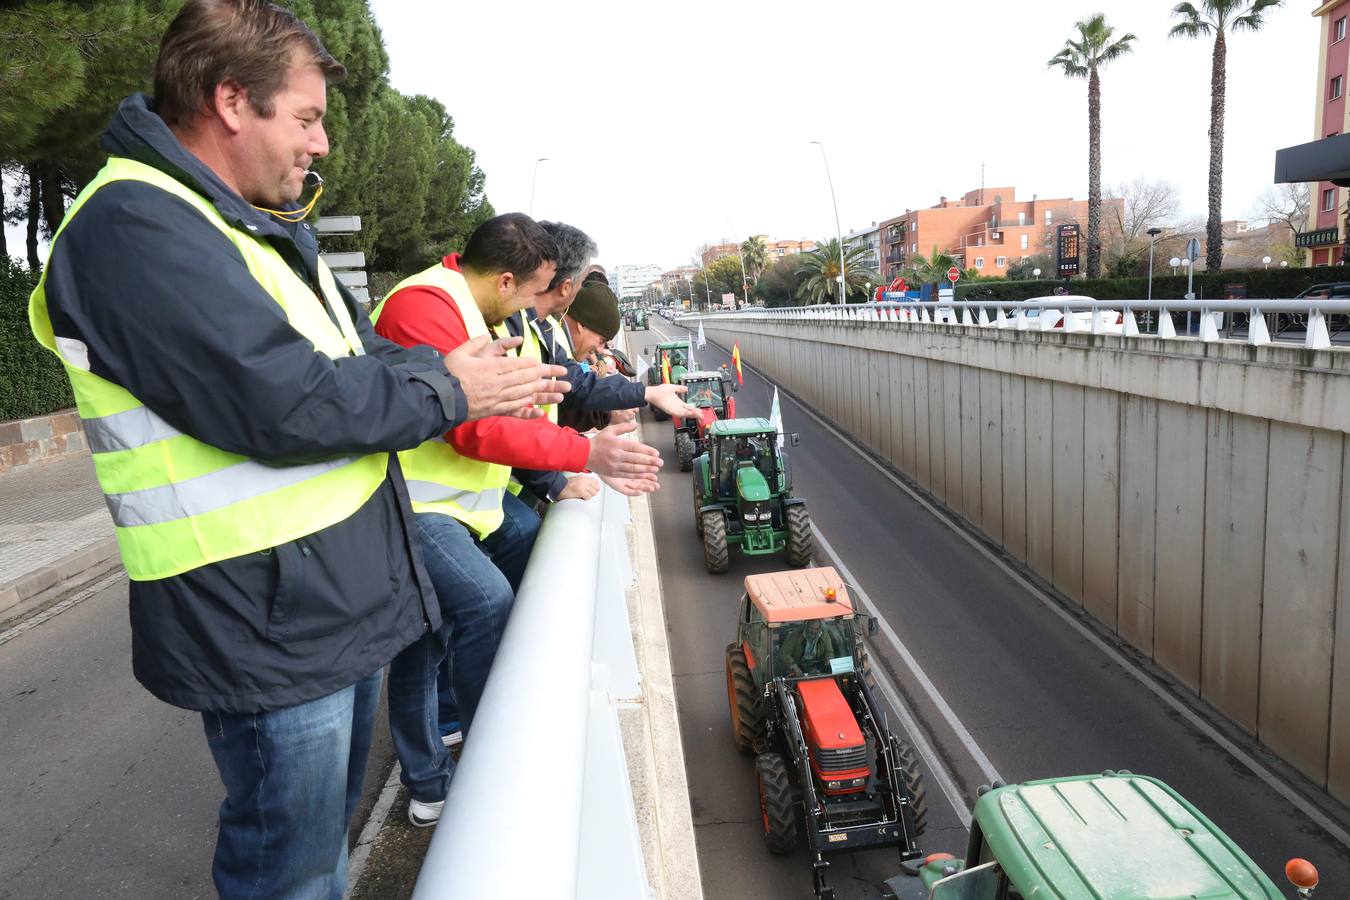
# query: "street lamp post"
[535,180]
[1035,273]
[1174,262]
[1152,234]
[838,232]
[1265,262]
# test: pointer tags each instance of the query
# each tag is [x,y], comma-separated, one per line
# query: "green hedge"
[1260,283]
[32,382]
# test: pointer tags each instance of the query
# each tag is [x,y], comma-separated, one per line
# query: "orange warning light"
[1301,873]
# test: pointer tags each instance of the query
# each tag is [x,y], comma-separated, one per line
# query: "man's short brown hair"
[250,42]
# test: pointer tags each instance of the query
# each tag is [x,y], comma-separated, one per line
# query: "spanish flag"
[665,368]
[736,361]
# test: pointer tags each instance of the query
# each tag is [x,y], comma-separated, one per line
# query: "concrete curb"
[652,729]
[83,565]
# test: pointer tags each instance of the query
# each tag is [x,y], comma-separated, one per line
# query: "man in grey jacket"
[232,389]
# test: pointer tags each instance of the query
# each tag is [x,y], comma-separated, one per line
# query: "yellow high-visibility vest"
[440,479]
[178,503]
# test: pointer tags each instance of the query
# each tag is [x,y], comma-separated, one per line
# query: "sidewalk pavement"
[54,528]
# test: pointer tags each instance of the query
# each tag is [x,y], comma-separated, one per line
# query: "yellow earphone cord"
[294,215]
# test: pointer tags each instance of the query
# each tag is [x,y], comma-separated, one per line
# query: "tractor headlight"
[834,785]
[756,513]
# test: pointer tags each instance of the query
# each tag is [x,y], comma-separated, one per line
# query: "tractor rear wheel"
[698,506]
[776,809]
[747,715]
[908,761]
[800,541]
[684,451]
[715,555]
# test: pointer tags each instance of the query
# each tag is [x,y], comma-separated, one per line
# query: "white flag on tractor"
[642,368]
[702,341]
[776,417]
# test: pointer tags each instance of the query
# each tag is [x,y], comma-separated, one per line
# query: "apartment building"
[1325,235]
[986,230]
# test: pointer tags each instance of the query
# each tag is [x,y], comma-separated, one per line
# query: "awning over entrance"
[1324,160]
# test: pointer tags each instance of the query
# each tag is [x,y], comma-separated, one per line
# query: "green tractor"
[1113,836]
[743,496]
[800,697]
[668,365]
[711,393]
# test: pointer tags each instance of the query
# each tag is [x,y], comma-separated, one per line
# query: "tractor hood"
[830,724]
[750,484]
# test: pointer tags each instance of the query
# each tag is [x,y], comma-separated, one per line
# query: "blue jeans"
[475,598]
[292,781]
[510,546]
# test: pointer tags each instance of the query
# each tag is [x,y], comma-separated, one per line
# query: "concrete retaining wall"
[1191,497]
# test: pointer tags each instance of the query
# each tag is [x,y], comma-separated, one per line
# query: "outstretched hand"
[496,384]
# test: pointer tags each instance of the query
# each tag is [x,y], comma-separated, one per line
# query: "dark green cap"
[597,308]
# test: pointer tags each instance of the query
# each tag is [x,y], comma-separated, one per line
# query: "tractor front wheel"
[776,810]
[715,555]
[908,761]
[684,451]
[800,541]
[747,718]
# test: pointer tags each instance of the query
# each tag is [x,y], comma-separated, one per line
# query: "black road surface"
[1038,699]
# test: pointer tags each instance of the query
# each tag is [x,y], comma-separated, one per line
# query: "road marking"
[32,622]
[963,734]
[379,814]
[1273,781]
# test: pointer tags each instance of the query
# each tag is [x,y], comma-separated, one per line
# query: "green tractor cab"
[711,393]
[1114,836]
[743,496]
[801,699]
[680,357]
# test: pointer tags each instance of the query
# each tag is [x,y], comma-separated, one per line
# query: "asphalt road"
[107,792]
[1035,697]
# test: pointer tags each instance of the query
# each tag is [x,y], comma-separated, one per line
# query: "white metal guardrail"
[541,805]
[1075,314]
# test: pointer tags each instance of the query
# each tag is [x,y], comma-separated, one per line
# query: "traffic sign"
[1193,249]
[953,274]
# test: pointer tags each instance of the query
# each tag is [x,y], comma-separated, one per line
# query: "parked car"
[1112,321]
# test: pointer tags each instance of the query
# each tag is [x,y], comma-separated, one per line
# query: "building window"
[1001,262]
[1328,199]
[1338,30]
[913,248]
[1021,218]
[1334,92]
[979,262]
[1049,214]
[1026,239]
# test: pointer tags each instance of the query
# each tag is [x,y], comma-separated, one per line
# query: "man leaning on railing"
[241,414]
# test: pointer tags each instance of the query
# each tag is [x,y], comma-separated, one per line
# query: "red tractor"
[800,699]
[711,393]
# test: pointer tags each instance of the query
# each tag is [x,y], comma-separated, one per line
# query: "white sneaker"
[453,739]
[424,815]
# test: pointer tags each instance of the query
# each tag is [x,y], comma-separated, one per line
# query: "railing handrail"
[1012,314]
[515,804]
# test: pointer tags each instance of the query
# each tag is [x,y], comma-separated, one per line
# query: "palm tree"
[821,268]
[920,269]
[1218,17]
[756,255]
[1081,59]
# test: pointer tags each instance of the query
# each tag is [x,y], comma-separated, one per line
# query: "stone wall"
[1191,497]
[28,442]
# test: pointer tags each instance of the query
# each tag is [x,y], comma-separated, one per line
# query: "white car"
[1111,321]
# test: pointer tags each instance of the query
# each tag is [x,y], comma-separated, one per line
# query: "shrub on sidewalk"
[32,382]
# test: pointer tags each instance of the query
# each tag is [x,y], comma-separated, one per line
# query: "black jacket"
[169,311]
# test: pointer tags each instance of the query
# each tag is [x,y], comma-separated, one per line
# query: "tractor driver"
[745,452]
[807,650]
[706,395]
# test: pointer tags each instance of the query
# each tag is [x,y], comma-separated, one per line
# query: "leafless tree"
[1133,208]
[1286,203]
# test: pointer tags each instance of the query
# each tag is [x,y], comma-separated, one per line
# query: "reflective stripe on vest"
[468,490]
[178,503]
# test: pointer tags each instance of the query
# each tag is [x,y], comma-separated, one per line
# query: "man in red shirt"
[476,535]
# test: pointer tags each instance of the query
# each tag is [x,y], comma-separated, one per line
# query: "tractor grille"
[842,760]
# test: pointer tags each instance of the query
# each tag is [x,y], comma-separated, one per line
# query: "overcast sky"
[667,125]
[670,125]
